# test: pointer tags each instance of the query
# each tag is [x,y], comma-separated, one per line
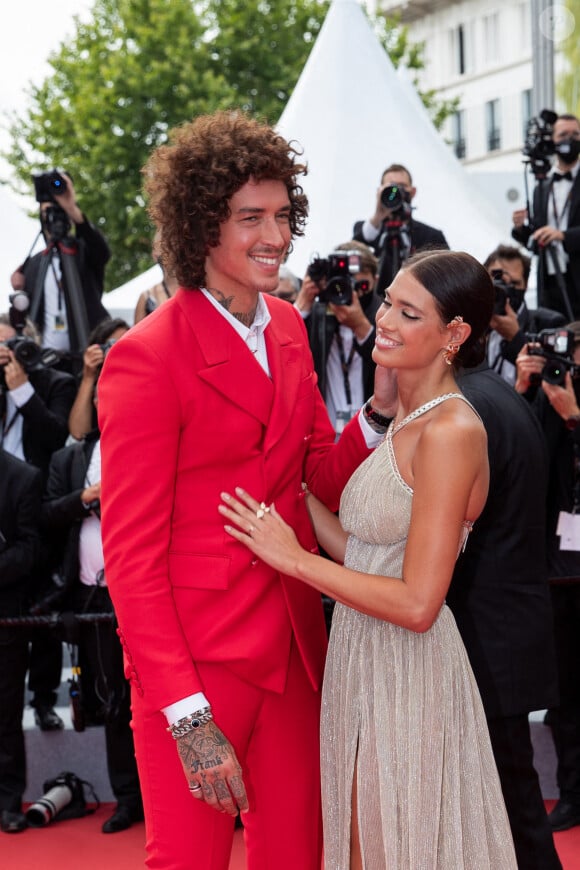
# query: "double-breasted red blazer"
[186,412]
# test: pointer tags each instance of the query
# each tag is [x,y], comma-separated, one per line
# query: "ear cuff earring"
[451,350]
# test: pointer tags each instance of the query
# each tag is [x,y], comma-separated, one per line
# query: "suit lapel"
[575,197]
[284,356]
[229,368]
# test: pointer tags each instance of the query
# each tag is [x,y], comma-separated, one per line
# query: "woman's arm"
[329,533]
[442,492]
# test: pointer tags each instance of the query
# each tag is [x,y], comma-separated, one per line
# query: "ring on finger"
[195,787]
[262,510]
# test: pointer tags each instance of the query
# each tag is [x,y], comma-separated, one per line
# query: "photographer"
[554,228]
[342,335]
[82,418]
[72,506]
[35,402]
[512,319]
[65,281]
[557,406]
[391,231]
[20,553]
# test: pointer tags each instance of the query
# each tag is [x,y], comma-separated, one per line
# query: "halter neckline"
[423,409]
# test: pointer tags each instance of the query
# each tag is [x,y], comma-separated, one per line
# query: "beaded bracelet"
[374,417]
[191,722]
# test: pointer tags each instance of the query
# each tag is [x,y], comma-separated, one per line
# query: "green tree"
[136,69]
[141,67]
[261,46]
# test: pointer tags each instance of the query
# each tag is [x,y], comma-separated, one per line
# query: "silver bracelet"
[191,722]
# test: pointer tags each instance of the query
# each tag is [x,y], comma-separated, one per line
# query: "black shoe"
[564,816]
[122,818]
[12,823]
[47,719]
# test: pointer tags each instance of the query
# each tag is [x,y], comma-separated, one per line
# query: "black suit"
[548,294]
[44,430]
[45,415]
[564,572]
[321,328]
[421,236]
[20,552]
[500,598]
[100,651]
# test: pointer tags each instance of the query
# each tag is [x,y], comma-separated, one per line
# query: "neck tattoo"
[245,317]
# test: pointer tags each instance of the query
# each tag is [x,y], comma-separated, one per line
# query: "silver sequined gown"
[407,708]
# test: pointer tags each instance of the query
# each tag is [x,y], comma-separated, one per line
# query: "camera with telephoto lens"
[504,292]
[49,184]
[26,351]
[539,145]
[556,346]
[337,270]
[398,201]
[63,796]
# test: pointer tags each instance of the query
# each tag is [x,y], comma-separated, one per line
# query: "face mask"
[568,151]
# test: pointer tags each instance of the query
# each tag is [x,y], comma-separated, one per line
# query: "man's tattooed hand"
[209,761]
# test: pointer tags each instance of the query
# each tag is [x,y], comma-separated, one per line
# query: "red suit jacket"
[186,412]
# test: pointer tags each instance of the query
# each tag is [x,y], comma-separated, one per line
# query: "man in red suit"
[216,389]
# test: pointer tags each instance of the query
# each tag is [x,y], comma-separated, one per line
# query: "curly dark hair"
[191,180]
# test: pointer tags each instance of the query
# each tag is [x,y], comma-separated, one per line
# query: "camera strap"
[345,363]
[10,423]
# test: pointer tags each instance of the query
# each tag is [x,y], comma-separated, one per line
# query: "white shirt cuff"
[185,707]
[362,340]
[22,394]
[372,438]
[369,231]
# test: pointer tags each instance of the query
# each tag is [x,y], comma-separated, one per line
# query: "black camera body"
[26,351]
[539,145]
[556,346]
[398,201]
[337,271]
[49,184]
[504,292]
[29,355]
[56,223]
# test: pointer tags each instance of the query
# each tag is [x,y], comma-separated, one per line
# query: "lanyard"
[558,217]
[58,283]
[345,363]
[9,424]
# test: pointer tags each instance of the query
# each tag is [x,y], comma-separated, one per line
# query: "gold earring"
[449,353]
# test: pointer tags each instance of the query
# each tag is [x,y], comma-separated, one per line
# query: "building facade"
[481,52]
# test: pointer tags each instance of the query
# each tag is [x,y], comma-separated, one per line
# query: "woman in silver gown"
[408,776]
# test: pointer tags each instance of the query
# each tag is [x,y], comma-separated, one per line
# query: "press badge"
[59,323]
[568,530]
[342,418]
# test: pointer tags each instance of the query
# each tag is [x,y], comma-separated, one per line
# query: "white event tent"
[353,115]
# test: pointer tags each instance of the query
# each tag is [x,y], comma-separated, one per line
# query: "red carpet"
[80,843]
